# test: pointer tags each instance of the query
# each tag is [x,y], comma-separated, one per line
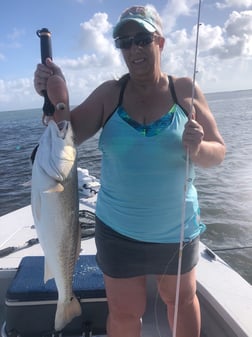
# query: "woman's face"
[143,56]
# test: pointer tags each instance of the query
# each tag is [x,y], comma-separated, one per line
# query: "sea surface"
[225,192]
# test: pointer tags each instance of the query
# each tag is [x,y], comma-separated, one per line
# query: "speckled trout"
[54,200]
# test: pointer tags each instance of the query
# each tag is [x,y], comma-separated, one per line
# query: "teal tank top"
[143,179]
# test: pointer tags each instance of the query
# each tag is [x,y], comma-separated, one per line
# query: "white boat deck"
[227,292]
[18,227]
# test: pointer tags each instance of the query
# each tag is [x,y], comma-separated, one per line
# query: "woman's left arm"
[201,135]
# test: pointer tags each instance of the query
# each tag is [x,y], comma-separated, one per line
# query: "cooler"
[31,304]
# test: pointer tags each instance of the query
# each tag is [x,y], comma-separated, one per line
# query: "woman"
[147,125]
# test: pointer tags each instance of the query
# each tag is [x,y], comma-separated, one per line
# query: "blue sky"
[83,47]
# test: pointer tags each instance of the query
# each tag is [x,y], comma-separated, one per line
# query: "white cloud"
[94,31]
[217,44]
[225,52]
[239,23]
[232,40]
[100,61]
[237,33]
[234,3]
[174,9]
[210,37]
[17,92]
[97,43]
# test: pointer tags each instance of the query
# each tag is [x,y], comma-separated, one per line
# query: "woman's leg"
[189,321]
[126,301]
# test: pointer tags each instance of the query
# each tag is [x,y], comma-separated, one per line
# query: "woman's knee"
[127,309]
[167,288]
[126,297]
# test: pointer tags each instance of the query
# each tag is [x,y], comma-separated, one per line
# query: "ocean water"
[225,191]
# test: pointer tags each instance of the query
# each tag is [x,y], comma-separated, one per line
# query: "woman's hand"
[43,72]
[49,77]
[192,137]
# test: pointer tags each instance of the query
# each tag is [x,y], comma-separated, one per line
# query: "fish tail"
[65,312]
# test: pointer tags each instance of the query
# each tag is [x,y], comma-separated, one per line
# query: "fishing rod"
[87,227]
[187,179]
[226,249]
[211,252]
[46,51]
[12,249]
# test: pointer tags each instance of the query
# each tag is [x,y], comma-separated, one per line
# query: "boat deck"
[226,298]
[154,321]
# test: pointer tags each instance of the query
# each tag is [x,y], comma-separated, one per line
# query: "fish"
[55,209]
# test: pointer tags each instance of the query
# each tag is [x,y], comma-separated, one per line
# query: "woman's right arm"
[88,117]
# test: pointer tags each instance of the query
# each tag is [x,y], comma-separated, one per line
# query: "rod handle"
[46,51]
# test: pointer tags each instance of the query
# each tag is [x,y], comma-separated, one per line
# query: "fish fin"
[57,188]
[65,312]
[47,272]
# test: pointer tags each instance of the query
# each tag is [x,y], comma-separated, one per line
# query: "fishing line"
[187,180]
[174,256]
[183,211]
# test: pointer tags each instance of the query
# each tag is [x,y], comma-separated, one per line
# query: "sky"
[83,46]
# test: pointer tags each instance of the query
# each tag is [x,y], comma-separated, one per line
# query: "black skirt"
[119,256]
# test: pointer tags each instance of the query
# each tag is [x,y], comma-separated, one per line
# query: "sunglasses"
[140,39]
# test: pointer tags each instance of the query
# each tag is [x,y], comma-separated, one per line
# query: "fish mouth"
[63,128]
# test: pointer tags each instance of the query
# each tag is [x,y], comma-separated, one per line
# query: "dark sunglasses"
[140,39]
